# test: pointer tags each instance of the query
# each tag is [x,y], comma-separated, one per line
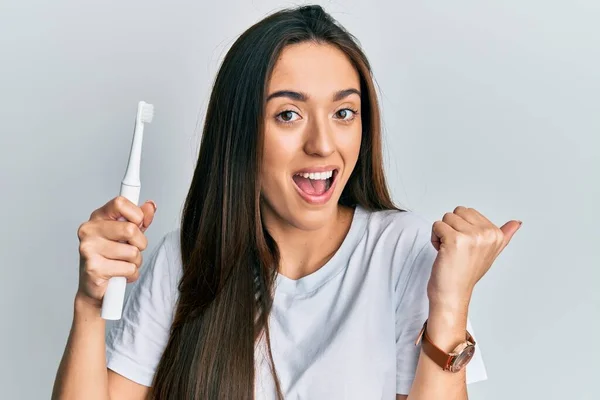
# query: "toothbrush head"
[145,112]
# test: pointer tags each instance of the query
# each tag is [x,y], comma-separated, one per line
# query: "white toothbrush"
[112,303]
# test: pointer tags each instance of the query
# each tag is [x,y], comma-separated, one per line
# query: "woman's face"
[312,134]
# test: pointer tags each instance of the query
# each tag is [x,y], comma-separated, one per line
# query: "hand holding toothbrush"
[111,247]
[119,262]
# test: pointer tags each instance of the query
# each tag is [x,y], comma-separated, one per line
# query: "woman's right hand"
[111,247]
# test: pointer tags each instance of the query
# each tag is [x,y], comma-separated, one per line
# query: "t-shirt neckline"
[336,263]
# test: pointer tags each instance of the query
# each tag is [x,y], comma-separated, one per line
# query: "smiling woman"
[310,155]
[293,274]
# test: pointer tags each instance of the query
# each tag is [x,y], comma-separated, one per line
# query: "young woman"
[293,275]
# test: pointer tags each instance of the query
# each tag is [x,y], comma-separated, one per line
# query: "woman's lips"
[318,199]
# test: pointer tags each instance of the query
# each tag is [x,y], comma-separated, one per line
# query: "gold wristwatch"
[453,361]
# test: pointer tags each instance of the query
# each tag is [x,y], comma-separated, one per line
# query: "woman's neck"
[302,252]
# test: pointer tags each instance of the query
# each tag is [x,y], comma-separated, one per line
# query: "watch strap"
[439,356]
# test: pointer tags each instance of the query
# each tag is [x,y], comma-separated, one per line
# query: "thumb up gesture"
[467,245]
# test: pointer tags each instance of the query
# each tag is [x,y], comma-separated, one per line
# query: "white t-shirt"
[346,331]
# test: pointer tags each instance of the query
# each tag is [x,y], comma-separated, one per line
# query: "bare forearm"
[82,371]
[446,328]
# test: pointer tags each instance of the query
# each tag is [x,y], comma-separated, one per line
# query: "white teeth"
[317,175]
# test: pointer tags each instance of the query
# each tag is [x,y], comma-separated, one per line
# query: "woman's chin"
[299,214]
[311,218]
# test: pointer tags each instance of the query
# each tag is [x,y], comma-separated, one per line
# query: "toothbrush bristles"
[147,113]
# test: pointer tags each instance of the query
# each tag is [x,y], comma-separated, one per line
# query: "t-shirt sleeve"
[412,309]
[135,343]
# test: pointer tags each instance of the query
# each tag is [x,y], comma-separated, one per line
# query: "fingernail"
[153,204]
[520,223]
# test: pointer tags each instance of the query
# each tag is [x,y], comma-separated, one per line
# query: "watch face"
[463,358]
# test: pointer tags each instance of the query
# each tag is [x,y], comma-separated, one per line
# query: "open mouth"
[316,187]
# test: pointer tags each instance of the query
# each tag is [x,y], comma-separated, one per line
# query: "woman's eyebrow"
[300,96]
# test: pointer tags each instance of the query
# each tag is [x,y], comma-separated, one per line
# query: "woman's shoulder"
[397,237]
[397,224]
[171,240]
[163,261]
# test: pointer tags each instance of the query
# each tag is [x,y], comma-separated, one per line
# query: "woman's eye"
[346,114]
[286,116]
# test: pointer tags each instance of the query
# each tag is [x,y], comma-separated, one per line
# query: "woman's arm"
[82,373]
[467,245]
[446,328]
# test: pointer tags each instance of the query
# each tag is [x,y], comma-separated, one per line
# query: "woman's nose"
[319,139]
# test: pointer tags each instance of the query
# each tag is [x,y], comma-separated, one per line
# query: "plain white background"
[489,104]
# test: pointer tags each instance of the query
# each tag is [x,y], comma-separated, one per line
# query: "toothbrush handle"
[112,302]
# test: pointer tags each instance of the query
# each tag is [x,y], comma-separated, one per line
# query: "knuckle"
[134,277]
[133,253]
[82,231]
[144,244]
[447,215]
[479,239]
[454,241]
[132,268]
[85,248]
[490,235]
[462,240]
[95,214]
[129,230]
[439,224]
[120,202]
[92,267]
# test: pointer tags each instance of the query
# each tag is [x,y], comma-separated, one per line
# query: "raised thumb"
[509,229]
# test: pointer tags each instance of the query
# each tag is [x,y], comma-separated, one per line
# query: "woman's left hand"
[467,244]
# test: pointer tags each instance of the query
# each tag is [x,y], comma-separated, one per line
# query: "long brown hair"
[229,259]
